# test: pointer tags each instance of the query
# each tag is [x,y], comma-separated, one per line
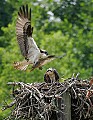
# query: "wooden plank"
[59,102]
[67,103]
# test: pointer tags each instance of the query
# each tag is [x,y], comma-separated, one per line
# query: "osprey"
[51,76]
[29,49]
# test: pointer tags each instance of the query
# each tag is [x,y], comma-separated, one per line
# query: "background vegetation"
[59,26]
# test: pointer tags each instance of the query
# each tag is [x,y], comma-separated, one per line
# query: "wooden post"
[59,102]
[67,103]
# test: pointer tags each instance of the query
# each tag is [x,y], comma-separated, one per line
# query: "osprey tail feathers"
[21,65]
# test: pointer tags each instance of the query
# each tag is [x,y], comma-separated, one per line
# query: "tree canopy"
[59,27]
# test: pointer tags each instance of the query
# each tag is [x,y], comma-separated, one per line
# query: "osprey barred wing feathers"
[24,29]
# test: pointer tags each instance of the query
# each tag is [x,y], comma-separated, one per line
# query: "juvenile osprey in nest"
[51,76]
[29,49]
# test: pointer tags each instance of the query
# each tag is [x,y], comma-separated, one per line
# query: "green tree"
[59,27]
[6,10]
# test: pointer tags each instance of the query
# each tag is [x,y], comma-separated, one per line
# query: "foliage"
[6,10]
[59,27]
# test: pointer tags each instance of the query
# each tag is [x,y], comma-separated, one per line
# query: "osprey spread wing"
[29,49]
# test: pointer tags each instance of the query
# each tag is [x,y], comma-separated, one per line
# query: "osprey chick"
[51,76]
[29,49]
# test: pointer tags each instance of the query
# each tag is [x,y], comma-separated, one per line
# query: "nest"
[44,101]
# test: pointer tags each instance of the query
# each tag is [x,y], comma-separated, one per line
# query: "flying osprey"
[29,49]
[51,76]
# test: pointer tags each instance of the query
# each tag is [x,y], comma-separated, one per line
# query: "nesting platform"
[70,100]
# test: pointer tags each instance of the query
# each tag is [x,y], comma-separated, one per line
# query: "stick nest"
[43,101]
